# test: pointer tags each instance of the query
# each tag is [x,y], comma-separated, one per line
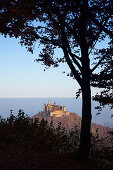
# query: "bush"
[101,152]
[25,131]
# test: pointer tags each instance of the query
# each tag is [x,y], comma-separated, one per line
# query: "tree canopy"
[79,28]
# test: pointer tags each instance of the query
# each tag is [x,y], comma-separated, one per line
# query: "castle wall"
[55,110]
[59,113]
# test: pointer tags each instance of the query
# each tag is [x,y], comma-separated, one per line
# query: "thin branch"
[75,36]
[74,71]
[53,20]
[74,55]
[74,59]
[69,62]
[102,27]
[66,42]
[101,76]
[40,27]
[69,50]
[95,38]
[59,26]
[94,68]
[48,40]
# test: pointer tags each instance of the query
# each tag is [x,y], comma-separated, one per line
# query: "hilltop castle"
[55,110]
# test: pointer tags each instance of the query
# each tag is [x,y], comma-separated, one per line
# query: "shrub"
[37,134]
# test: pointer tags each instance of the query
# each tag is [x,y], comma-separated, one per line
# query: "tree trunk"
[85,138]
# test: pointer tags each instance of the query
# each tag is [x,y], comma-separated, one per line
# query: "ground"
[14,157]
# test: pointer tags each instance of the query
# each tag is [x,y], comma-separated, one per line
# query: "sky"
[21,76]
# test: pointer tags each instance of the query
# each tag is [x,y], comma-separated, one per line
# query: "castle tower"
[49,106]
[44,108]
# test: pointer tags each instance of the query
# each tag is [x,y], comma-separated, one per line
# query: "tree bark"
[85,138]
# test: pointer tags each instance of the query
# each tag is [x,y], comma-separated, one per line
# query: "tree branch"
[69,62]
[102,27]
[94,68]
[66,42]
[74,71]
[95,38]
[48,40]
[101,77]
[74,59]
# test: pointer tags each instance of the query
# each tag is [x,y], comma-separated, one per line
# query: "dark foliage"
[40,137]
[37,134]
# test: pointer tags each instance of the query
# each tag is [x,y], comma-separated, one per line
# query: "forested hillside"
[69,122]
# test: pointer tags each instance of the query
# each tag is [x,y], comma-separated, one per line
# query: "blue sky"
[20,76]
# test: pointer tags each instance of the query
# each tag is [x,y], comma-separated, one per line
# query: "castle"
[55,110]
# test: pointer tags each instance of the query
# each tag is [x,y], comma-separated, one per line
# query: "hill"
[72,120]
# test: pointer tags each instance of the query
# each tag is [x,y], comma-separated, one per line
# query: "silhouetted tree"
[76,27]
